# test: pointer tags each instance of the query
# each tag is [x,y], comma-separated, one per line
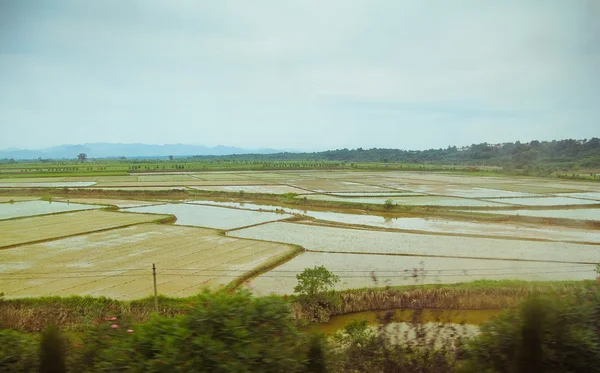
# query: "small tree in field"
[388,204]
[82,157]
[313,281]
[315,293]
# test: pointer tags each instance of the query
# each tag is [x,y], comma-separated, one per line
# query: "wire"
[162,270]
[404,275]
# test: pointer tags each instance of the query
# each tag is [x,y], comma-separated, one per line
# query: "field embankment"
[76,313]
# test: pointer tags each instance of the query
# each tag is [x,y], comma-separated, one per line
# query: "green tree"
[315,293]
[388,204]
[82,157]
[313,281]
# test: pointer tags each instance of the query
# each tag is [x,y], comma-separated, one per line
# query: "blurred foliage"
[223,332]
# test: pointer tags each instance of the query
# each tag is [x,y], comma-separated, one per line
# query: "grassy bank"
[76,313]
[476,295]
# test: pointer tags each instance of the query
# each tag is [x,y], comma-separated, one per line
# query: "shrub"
[542,335]
[315,293]
[18,352]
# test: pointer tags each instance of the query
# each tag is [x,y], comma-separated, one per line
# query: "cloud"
[301,74]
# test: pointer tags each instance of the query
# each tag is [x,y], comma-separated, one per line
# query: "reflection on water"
[427,224]
[402,316]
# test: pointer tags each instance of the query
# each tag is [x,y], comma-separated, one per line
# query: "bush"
[542,335]
[223,333]
[315,293]
[18,352]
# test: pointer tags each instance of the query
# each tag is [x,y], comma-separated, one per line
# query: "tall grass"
[468,296]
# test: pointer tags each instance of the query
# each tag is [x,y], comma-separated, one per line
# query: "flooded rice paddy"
[580,214]
[31,208]
[211,217]
[545,201]
[344,240]
[269,189]
[378,251]
[64,184]
[360,271]
[506,229]
[118,263]
[411,200]
[121,203]
[47,227]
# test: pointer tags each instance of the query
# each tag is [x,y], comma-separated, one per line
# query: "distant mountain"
[112,150]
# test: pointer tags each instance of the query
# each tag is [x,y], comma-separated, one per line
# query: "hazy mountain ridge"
[109,150]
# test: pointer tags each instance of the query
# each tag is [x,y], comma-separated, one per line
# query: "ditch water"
[404,316]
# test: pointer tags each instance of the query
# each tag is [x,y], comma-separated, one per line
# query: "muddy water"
[428,315]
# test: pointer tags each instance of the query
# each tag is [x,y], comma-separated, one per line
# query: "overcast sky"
[298,74]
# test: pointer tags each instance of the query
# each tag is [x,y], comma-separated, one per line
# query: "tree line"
[559,154]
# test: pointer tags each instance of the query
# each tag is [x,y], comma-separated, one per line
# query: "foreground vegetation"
[76,312]
[236,332]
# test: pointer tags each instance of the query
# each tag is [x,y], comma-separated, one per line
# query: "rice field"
[64,184]
[452,227]
[411,200]
[344,240]
[579,214]
[326,185]
[110,253]
[121,203]
[10,199]
[268,189]
[210,216]
[545,201]
[360,271]
[31,208]
[39,228]
[118,263]
[585,195]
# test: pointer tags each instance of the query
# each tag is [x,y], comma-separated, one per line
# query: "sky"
[298,74]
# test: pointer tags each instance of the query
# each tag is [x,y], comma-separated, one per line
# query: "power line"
[420,270]
[403,275]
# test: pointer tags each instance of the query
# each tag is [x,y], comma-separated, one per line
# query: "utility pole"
[155,292]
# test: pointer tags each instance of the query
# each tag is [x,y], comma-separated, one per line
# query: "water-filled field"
[31,208]
[64,184]
[359,271]
[343,240]
[545,201]
[11,199]
[579,214]
[211,217]
[122,203]
[453,227]
[269,189]
[412,200]
[38,228]
[118,263]
[386,248]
